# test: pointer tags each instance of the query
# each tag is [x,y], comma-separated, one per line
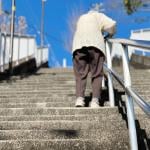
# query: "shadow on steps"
[143,140]
[22,71]
[142,137]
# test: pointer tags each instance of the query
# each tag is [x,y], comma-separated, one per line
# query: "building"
[142,34]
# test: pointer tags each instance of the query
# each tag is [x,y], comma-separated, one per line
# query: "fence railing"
[24,49]
[126,83]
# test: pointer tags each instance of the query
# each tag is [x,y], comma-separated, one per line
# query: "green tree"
[132,6]
[126,8]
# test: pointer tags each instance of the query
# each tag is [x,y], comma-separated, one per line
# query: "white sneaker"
[94,103]
[80,102]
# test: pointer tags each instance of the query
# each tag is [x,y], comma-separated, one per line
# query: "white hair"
[97,7]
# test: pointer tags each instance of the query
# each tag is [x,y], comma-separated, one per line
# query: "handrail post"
[28,42]
[0,50]
[11,47]
[4,52]
[129,101]
[19,37]
[110,82]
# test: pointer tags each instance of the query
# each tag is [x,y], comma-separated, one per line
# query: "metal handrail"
[126,83]
[19,35]
[139,100]
[135,43]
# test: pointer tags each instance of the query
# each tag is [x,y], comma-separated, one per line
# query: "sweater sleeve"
[108,25]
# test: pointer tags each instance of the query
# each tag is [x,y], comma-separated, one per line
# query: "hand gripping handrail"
[126,83]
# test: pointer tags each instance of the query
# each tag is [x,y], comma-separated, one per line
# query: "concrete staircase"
[38,113]
[141,83]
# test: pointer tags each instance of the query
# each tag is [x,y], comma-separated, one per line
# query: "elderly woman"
[89,53]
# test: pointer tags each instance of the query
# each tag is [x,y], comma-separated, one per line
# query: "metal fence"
[24,49]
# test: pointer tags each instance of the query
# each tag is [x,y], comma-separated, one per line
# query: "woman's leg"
[96,68]
[81,69]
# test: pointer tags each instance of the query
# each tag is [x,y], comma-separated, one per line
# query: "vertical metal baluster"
[4,52]
[129,101]
[27,58]
[110,82]
[0,50]
[18,49]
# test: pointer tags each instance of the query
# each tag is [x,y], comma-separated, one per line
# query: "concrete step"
[48,89]
[44,78]
[143,130]
[28,88]
[63,125]
[62,134]
[139,111]
[17,93]
[31,105]
[60,86]
[38,81]
[64,144]
[38,94]
[144,124]
[56,111]
[47,83]
[42,96]
[55,70]
[41,90]
[39,99]
[82,117]
[64,79]
[32,92]
[45,102]
[41,84]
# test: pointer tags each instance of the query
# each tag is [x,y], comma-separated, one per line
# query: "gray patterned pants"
[85,60]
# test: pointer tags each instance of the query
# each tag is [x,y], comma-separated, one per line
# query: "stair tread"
[73,144]
[61,133]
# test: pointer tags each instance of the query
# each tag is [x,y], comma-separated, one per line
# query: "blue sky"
[57,13]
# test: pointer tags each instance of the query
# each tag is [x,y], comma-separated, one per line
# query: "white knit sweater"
[89,30]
